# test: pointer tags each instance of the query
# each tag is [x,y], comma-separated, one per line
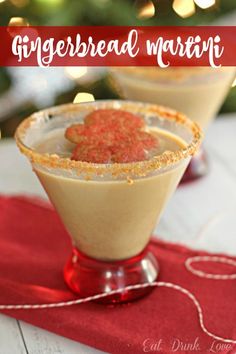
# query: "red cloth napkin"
[34,248]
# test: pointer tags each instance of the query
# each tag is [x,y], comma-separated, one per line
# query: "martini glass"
[198,92]
[109,210]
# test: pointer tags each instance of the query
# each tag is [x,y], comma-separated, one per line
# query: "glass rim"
[141,168]
[161,77]
[170,74]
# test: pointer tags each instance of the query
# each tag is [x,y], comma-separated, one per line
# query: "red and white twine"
[176,287]
[201,274]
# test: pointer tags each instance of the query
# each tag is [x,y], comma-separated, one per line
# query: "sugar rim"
[141,168]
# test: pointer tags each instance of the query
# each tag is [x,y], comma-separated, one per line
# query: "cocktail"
[109,168]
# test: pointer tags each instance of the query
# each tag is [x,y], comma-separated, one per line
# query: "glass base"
[197,168]
[87,276]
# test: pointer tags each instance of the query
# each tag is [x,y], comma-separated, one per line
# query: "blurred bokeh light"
[145,9]
[184,8]
[83,97]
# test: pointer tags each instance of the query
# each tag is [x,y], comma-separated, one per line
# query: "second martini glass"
[198,92]
[108,209]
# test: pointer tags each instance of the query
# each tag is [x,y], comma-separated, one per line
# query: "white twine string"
[176,287]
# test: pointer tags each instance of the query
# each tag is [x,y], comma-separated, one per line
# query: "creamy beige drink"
[109,209]
[110,220]
[197,92]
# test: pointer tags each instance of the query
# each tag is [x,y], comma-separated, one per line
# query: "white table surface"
[192,208]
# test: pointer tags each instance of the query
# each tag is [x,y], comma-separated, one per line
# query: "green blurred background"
[24,90]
